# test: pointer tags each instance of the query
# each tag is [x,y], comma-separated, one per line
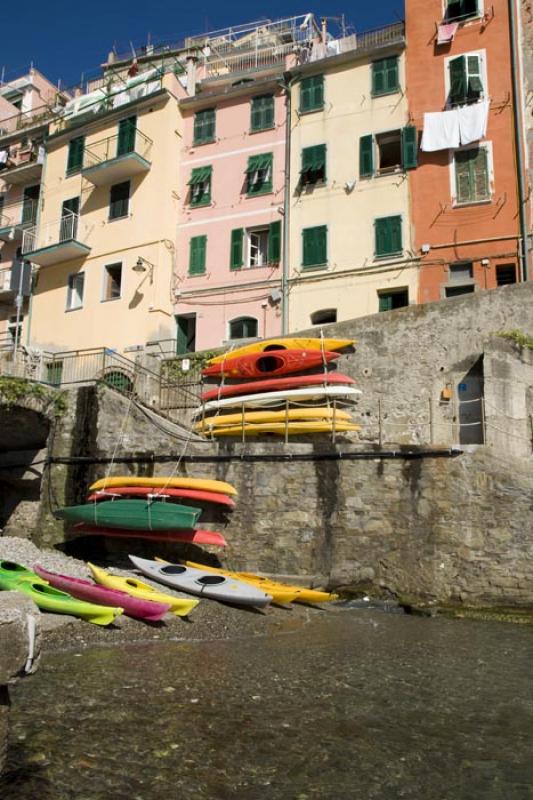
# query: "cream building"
[104,242]
[349,218]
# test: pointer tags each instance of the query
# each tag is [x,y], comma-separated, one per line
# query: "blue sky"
[64,39]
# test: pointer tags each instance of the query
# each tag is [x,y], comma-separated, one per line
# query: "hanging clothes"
[446,32]
[4,155]
[441,131]
[473,121]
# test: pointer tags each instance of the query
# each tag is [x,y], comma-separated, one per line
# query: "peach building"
[465,206]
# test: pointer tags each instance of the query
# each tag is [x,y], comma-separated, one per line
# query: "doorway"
[185,333]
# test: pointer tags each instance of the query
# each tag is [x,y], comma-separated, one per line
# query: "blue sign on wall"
[463,387]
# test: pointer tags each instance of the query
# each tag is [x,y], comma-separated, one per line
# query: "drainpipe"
[287,86]
[517,101]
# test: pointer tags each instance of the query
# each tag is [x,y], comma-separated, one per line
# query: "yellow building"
[104,241]
[351,147]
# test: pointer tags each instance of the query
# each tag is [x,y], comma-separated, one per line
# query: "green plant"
[520,338]
[173,367]
[16,390]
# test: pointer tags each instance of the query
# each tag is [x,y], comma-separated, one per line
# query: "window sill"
[313,267]
[200,205]
[385,256]
[469,203]
[117,219]
[197,274]
[110,299]
[71,172]
[462,20]
[310,110]
[385,94]
[76,308]
[262,130]
[206,141]
[262,193]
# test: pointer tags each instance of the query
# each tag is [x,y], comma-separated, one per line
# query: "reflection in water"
[355,705]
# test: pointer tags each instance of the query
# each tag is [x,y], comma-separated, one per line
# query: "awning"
[199,175]
[255,163]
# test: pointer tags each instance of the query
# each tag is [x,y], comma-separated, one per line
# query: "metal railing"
[21,212]
[64,229]
[116,146]
[27,119]
[381,37]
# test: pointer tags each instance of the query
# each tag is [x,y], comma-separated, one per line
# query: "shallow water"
[353,705]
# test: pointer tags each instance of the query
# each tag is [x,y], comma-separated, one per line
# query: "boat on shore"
[135,514]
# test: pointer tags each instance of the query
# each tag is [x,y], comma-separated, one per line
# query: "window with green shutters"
[385,76]
[466,80]
[262,117]
[274,242]
[472,183]
[458,10]
[197,252]
[237,249]
[313,165]
[243,328]
[127,130]
[388,236]
[119,200]
[388,301]
[200,186]
[259,174]
[315,246]
[388,152]
[204,126]
[312,94]
[75,155]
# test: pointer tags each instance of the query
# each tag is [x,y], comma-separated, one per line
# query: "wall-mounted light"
[142,265]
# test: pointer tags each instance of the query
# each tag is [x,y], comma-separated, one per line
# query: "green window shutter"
[378,77]
[204,126]
[409,147]
[480,169]
[197,255]
[385,76]
[475,83]
[315,246]
[366,156]
[312,93]
[472,175]
[313,164]
[274,242]
[237,248]
[392,74]
[127,128]
[396,234]
[75,154]
[262,113]
[200,183]
[458,87]
[388,236]
[385,302]
[259,174]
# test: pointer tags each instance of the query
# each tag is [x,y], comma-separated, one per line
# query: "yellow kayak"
[303,594]
[272,416]
[180,606]
[280,594]
[294,428]
[284,344]
[204,484]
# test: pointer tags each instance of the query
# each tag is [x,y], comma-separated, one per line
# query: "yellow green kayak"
[12,570]
[327,345]
[180,606]
[219,421]
[204,484]
[303,594]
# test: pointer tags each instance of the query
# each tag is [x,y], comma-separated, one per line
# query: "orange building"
[464,194]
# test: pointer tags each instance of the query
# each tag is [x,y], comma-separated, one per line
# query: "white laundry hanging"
[441,131]
[473,121]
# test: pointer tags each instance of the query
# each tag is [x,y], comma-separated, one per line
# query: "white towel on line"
[441,131]
[473,121]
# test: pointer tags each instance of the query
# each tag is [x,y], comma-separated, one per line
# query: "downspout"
[287,85]
[517,124]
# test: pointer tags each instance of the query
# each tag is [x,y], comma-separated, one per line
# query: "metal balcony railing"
[27,119]
[65,229]
[136,142]
[22,212]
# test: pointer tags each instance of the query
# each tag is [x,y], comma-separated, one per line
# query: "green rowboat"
[140,515]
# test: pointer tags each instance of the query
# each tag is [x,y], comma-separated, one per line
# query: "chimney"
[191,75]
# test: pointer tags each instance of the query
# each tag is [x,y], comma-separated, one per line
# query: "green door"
[29,205]
[185,333]
[69,219]
[126,136]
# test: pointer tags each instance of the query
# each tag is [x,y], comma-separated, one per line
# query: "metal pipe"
[287,85]
[517,125]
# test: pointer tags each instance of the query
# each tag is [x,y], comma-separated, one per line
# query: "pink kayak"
[184,536]
[86,590]
[145,491]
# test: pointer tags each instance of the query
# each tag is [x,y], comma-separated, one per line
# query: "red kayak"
[91,593]
[145,491]
[278,384]
[184,536]
[274,362]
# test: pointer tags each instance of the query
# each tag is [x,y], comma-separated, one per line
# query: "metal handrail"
[108,149]
[66,228]
[27,208]
[26,119]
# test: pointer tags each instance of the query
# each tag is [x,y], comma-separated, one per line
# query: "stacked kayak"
[300,404]
[202,582]
[15,577]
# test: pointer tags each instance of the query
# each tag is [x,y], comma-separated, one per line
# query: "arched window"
[324,316]
[243,328]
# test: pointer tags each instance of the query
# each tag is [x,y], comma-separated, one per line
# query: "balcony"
[23,166]
[117,158]
[5,284]
[34,118]
[15,218]
[57,241]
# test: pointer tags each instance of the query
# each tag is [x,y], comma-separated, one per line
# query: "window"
[383,153]
[455,291]
[197,250]
[315,246]
[200,183]
[505,274]
[472,183]
[255,247]
[259,174]
[461,9]
[75,155]
[460,273]
[397,298]
[185,333]
[313,165]
[112,281]
[68,228]
[388,236]
[54,372]
[312,94]
[119,200]
[243,328]
[262,113]
[204,126]
[30,204]
[324,317]
[75,287]
[127,129]
[466,75]
[385,76]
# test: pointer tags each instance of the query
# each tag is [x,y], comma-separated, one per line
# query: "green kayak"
[140,515]
[10,569]
[49,599]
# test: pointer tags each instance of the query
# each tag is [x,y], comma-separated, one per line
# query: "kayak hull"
[267,345]
[277,384]
[10,570]
[203,583]
[85,590]
[268,399]
[132,514]
[280,362]
[292,414]
[198,537]
[181,606]
[146,491]
[280,428]
[165,483]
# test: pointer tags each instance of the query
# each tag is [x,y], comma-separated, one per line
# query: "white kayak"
[204,583]
[266,399]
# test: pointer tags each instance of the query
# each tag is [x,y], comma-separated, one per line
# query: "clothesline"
[444,130]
